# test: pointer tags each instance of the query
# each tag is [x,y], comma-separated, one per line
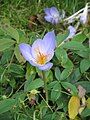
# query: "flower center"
[41,58]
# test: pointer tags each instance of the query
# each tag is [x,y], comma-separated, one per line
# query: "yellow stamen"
[41,58]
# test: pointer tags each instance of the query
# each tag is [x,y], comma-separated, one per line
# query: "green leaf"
[18,55]
[65,73]
[56,91]
[12,32]
[80,37]
[6,116]
[6,57]
[61,37]
[74,45]
[17,69]
[28,81]
[67,85]
[85,112]
[1,32]
[34,84]
[51,84]
[61,54]
[48,75]
[29,72]
[85,85]
[6,43]
[84,65]
[22,36]
[84,54]
[68,64]
[57,73]
[6,105]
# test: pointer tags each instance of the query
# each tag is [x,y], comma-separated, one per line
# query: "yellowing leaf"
[88,103]
[76,118]
[73,106]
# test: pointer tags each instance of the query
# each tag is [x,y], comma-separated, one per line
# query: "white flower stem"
[75,14]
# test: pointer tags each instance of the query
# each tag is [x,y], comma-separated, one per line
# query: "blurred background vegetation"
[19,12]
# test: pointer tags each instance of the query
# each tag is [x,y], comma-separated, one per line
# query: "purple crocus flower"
[52,15]
[41,51]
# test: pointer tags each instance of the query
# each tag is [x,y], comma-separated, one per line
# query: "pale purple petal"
[54,11]
[46,66]
[72,31]
[56,21]
[49,41]
[47,11]
[32,63]
[38,47]
[25,50]
[48,18]
[50,55]
[83,19]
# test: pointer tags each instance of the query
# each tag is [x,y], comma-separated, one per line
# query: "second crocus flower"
[52,15]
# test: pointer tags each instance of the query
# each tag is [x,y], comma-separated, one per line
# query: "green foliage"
[56,91]
[86,113]
[13,33]
[22,92]
[34,84]
[84,65]
[6,43]
[69,87]
[6,105]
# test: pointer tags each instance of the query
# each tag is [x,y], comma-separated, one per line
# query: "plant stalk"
[45,86]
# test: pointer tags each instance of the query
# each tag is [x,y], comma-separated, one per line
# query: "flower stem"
[45,86]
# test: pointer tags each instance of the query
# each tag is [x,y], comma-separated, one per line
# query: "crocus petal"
[48,18]
[50,55]
[38,47]
[47,11]
[72,31]
[54,12]
[56,21]
[25,50]
[49,41]
[32,63]
[83,17]
[46,66]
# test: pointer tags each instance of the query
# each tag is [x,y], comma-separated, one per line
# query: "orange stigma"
[41,58]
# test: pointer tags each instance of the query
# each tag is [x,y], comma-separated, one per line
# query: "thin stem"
[46,103]
[45,86]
